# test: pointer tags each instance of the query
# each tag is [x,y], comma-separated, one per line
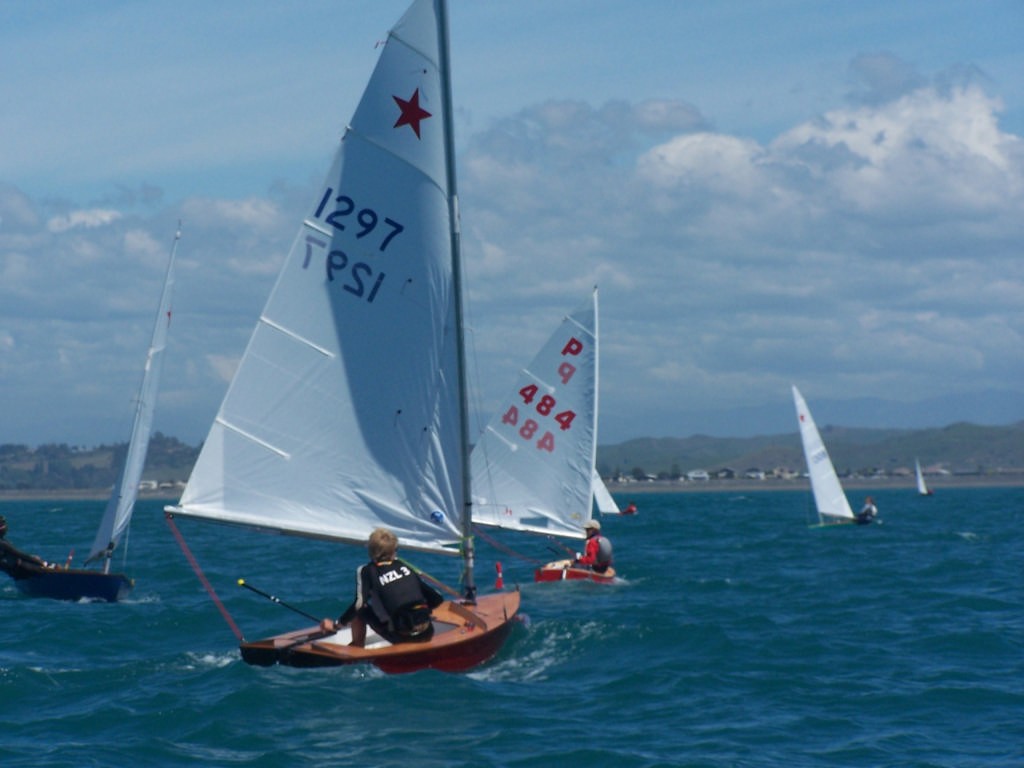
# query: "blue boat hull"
[76,585]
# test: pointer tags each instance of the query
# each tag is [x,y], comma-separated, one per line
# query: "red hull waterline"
[562,570]
[465,637]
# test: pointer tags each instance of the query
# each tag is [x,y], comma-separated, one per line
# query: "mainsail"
[345,413]
[533,467]
[828,493]
[118,513]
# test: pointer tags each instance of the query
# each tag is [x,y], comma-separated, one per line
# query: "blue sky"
[825,194]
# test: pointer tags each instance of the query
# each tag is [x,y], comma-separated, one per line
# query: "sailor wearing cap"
[598,552]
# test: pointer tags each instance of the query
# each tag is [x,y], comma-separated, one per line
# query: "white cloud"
[871,252]
[925,150]
[223,367]
[86,219]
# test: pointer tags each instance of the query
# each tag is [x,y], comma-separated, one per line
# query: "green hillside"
[57,467]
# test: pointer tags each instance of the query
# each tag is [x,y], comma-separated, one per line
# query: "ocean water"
[738,637]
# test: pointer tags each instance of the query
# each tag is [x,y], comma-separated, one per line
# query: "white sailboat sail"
[603,499]
[533,467]
[345,413]
[829,498]
[118,513]
[922,487]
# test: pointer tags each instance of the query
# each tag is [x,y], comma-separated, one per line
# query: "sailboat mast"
[468,553]
[118,512]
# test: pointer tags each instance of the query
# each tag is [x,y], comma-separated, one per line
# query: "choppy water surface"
[738,637]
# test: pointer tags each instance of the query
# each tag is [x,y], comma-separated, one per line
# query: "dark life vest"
[397,599]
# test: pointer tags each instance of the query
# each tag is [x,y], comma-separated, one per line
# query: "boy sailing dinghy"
[533,467]
[829,498]
[348,408]
[35,577]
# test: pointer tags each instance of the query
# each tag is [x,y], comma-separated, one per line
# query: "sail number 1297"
[358,278]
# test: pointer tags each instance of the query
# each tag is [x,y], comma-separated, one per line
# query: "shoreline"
[639,487]
[78,494]
[802,484]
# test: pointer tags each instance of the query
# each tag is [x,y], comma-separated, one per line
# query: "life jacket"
[396,598]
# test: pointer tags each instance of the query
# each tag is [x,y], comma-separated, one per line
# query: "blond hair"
[382,544]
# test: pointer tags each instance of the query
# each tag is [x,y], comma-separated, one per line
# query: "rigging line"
[202,577]
[436,582]
[479,531]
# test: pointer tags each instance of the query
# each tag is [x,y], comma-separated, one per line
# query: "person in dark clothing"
[868,512]
[14,562]
[390,597]
[598,552]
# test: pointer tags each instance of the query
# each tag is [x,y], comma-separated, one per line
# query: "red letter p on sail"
[572,347]
[566,370]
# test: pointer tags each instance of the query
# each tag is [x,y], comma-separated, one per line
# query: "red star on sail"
[412,112]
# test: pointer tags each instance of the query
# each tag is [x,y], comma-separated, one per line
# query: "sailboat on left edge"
[37,578]
[348,408]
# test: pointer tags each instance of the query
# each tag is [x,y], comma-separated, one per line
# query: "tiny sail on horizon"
[922,487]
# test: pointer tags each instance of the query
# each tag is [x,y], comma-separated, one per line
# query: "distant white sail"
[922,488]
[828,493]
[118,513]
[533,467]
[603,499]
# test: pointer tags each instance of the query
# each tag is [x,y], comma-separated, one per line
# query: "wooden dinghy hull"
[465,637]
[562,570]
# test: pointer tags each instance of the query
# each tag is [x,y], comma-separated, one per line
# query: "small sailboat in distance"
[533,466]
[37,578]
[348,408]
[922,488]
[829,499]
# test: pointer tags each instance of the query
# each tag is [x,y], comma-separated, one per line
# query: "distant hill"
[959,448]
[56,467]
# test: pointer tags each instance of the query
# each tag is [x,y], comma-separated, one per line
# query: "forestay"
[344,414]
[828,493]
[533,467]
